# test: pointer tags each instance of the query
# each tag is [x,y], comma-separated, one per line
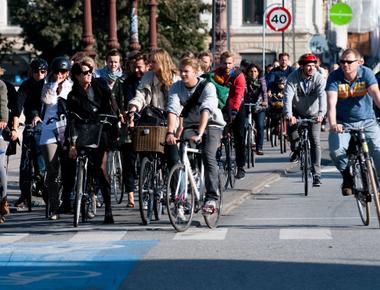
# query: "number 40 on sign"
[278,19]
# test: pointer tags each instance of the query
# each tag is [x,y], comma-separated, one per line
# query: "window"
[253,12]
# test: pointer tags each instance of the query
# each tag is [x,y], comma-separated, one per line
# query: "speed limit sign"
[279,19]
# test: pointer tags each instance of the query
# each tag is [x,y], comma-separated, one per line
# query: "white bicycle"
[186,190]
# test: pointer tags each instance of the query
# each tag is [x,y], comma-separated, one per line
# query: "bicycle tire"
[180,205]
[361,197]
[281,137]
[306,169]
[159,195]
[29,198]
[78,187]
[146,190]
[374,185]
[232,163]
[212,220]
[116,176]
[248,145]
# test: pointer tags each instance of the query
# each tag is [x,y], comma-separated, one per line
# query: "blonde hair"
[167,68]
[226,55]
[190,61]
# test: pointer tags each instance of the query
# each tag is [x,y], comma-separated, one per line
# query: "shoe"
[294,157]
[181,214]
[54,217]
[2,220]
[209,207]
[259,152]
[240,173]
[316,181]
[108,217]
[323,128]
[131,202]
[347,184]
[4,207]
[21,203]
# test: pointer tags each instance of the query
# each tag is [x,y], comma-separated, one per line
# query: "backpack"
[152,116]
[221,91]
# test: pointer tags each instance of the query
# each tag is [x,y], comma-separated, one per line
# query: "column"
[220,28]
[112,39]
[134,30]
[87,36]
[152,25]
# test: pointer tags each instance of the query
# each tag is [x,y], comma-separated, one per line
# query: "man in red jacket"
[231,76]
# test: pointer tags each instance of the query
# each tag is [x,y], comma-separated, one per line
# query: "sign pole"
[283,33]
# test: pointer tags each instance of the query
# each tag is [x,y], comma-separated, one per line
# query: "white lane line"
[305,218]
[202,234]
[329,169]
[305,234]
[98,236]
[11,237]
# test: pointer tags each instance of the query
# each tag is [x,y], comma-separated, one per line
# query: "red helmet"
[307,58]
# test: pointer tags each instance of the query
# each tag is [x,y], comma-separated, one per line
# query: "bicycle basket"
[88,134]
[149,138]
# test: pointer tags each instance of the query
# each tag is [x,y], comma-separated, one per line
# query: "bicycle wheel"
[78,187]
[212,220]
[253,147]
[146,190]
[32,189]
[116,176]
[281,138]
[306,167]
[231,163]
[180,198]
[159,194]
[361,193]
[373,185]
[248,145]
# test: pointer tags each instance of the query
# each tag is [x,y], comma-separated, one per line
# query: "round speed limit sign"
[279,19]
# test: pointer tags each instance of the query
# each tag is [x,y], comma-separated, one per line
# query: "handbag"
[6,133]
[60,128]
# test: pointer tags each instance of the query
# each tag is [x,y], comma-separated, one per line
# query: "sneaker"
[53,217]
[316,181]
[240,173]
[259,152]
[2,220]
[181,214]
[323,128]
[21,203]
[209,207]
[4,208]
[294,157]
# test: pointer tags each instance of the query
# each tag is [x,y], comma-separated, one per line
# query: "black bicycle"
[363,172]
[250,136]
[225,157]
[304,151]
[32,180]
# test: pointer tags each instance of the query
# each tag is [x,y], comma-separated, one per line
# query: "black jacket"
[29,99]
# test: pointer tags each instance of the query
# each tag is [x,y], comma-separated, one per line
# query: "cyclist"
[351,91]
[89,98]
[4,210]
[203,116]
[206,60]
[57,86]
[256,93]
[282,70]
[29,101]
[153,90]
[139,66]
[276,101]
[305,97]
[229,75]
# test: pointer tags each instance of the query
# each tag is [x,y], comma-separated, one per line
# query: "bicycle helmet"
[39,64]
[307,58]
[280,80]
[60,64]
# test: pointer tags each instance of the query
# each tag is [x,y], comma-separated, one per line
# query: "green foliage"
[54,27]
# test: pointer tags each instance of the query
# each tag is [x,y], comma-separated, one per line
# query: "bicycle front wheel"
[373,185]
[212,220]
[116,176]
[146,190]
[230,163]
[78,187]
[180,198]
[305,169]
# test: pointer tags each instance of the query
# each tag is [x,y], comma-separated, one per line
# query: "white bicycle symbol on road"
[28,277]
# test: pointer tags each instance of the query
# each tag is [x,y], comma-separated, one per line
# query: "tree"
[54,27]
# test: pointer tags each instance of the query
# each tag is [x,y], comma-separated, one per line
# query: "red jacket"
[236,82]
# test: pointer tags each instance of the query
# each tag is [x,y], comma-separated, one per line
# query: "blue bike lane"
[68,265]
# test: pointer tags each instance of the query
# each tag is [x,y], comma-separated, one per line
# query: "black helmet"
[60,64]
[39,64]
[280,80]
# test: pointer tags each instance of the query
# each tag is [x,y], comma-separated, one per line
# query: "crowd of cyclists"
[196,95]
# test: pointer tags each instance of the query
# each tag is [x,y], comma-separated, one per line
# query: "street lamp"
[152,25]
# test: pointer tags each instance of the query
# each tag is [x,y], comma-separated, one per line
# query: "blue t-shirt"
[354,103]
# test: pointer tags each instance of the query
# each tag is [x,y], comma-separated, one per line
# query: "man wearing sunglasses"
[351,91]
[29,101]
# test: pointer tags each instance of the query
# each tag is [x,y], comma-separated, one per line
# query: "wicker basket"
[149,138]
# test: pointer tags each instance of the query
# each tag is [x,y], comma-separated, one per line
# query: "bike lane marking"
[69,265]
[98,236]
[11,238]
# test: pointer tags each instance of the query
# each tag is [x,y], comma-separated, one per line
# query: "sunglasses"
[61,71]
[42,71]
[86,72]
[342,61]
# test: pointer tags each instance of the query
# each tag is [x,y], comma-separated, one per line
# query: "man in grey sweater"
[305,97]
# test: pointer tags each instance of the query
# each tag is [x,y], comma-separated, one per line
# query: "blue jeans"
[338,143]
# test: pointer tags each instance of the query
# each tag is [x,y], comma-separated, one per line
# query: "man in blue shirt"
[351,90]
